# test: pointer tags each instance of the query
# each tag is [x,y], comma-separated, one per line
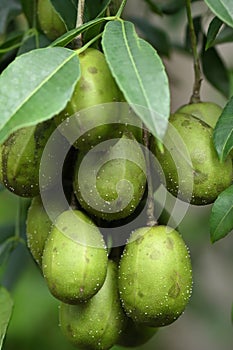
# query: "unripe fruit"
[136,334]
[21,156]
[201,178]
[208,112]
[97,323]
[95,87]
[50,21]
[38,228]
[110,185]
[155,276]
[75,258]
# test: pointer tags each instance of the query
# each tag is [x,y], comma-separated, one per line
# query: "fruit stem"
[151,206]
[78,40]
[197,69]
[121,8]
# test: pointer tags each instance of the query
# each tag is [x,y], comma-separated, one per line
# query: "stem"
[151,221]
[78,40]
[121,8]
[197,69]
[84,47]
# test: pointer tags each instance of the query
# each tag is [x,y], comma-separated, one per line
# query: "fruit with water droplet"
[97,323]
[50,22]
[190,162]
[136,334]
[110,184]
[155,276]
[94,90]
[74,260]
[21,156]
[38,228]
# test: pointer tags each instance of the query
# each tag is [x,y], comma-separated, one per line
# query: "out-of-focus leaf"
[32,42]
[35,87]
[140,74]
[154,7]
[6,307]
[221,219]
[12,42]
[222,9]
[213,30]
[223,132]
[67,10]
[168,7]
[29,9]
[215,71]
[8,10]
[225,36]
[94,9]
[154,35]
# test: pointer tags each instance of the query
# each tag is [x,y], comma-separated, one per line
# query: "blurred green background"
[206,323]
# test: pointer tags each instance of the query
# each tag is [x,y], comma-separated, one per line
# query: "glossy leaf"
[35,87]
[215,71]
[223,132]
[139,73]
[222,9]
[221,219]
[6,307]
[213,30]
[67,11]
[66,38]
[8,10]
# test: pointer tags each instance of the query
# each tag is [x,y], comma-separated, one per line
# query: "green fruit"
[136,334]
[208,112]
[97,323]
[75,258]
[38,228]
[190,163]
[21,156]
[50,22]
[110,185]
[155,276]
[95,87]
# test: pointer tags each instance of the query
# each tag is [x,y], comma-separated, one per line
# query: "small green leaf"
[140,74]
[66,38]
[221,219]
[222,9]
[213,30]
[35,87]
[223,132]
[6,307]
[215,71]
[67,10]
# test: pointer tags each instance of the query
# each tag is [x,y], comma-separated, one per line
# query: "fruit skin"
[107,190]
[206,177]
[208,112]
[50,22]
[136,334]
[21,156]
[95,87]
[38,227]
[155,276]
[74,260]
[97,323]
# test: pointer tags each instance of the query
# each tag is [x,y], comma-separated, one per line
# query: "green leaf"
[154,8]
[215,71]
[6,307]
[29,9]
[95,9]
[31,42]
[222,9]
[8,10]
[225,36]
[213,30]
[140,74]
[223,132]
[35,87]
[67,10]
[66,38]
[221,218]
